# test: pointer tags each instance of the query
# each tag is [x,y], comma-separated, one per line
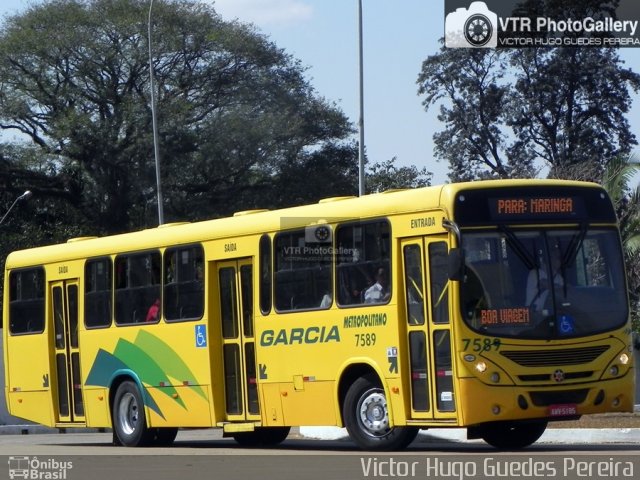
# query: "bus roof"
[247,223]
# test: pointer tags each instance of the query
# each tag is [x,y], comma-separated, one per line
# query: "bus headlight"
[624,359]
[481,367]
[495,377]
[614,371]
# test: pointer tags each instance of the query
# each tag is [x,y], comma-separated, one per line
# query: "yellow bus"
[497,306]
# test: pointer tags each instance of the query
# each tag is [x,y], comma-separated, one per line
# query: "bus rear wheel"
[128,416]
[366,417]
[512,435]
[262,436]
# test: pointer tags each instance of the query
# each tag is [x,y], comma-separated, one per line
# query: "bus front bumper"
[482,403]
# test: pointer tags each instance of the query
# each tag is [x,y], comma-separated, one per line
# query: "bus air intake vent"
[546,377]
[555,357]
[544,399]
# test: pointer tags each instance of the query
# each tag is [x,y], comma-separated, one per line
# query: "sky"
[397,36]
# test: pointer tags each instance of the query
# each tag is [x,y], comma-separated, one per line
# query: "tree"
[570,106]
[234,111]
[616,180]
[508,113]
[470,88]
[386,176]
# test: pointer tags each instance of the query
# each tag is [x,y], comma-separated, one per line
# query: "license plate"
[563,410]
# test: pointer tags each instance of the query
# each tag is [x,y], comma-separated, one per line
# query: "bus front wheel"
[366,416]
[128,416]
[512,435]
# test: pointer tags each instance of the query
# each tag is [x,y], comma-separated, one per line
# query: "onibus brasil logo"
[38,469]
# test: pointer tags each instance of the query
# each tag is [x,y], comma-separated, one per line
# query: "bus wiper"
[574,246]
[517,246]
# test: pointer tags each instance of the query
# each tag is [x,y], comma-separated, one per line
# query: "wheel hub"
[373,413]
[128,413]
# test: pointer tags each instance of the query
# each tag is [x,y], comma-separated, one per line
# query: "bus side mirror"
[456,264]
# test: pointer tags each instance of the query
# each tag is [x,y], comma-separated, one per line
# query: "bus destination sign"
[522,208]
[530,204]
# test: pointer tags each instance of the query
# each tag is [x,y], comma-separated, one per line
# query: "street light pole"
[156,149]
[361,120]
[25,196]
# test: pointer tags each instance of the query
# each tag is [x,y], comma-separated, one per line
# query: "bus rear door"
[68,381]
[235,283]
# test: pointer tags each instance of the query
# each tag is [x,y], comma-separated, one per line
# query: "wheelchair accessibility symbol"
[567,325]
[201,336]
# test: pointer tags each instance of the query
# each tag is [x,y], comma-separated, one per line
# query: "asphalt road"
[204,454]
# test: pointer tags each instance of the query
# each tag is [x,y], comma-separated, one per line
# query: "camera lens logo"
[322,234]
[318,234]
[475,27]
[478,30]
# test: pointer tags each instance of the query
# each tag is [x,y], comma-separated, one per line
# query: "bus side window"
[138,287]
[363,251]
[97,293]
[26,301]
[183,283]
[302,272]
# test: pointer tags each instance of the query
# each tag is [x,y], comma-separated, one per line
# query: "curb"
[551,435]
[39,430]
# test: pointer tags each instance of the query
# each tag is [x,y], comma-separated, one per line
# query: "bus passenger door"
[67,384]
[417,328]
[442,394]
[428,328]
[235,283]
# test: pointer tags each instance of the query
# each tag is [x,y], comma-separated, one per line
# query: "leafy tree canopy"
[511,112]
[235,113]
[388,175]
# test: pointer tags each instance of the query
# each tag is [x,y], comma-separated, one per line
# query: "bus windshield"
[543,284]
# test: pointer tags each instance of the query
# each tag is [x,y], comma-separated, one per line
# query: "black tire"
[512,435]
[163,437]
[262,437]
[128,416]
[366,417]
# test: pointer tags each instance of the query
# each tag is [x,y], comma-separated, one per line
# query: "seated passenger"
[326,301]
[379,291]
[154,311]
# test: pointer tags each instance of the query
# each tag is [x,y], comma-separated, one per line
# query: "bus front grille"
[555,357]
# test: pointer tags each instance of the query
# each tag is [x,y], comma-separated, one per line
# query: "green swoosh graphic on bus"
[103,370]
[169,361]
[151,370]
[146,367]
